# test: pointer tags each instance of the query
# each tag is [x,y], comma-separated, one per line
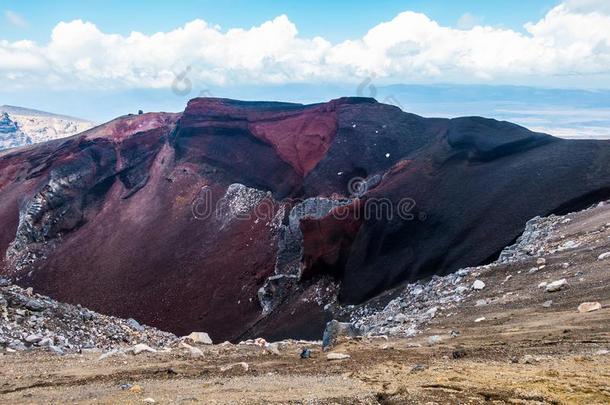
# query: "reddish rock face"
[244,218]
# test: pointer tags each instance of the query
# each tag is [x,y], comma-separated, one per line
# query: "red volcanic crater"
[242,219]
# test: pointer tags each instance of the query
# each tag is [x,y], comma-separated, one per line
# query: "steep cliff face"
[247,218]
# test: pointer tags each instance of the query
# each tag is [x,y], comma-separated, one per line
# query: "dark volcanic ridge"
[246,219]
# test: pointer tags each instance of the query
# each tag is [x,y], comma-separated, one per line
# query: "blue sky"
[99,59]
[335,20]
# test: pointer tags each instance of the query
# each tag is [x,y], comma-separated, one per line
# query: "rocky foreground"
[30,321]
[531,328]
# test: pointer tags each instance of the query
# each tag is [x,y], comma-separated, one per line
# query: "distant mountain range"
[22,126]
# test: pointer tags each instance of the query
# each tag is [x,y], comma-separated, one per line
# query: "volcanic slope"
[246,218]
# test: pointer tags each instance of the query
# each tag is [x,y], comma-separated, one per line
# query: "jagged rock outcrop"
[22,126]
[10,134]
[247,218]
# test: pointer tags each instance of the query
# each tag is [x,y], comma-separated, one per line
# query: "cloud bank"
[571,43]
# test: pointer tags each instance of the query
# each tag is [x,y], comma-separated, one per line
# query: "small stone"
[547,304]
[337,356]
[34,305]
[604,256]
[556,285]
[458,353]
[565,265]
[306,354]
[400,318]
[434,339]
[589,307]
[454,333]
[33,339]
[57,350]
[460,289]
[481,319]
[529,359]
[199,338]
[136,389]
[542,285]
[4,282]
[45,342]
[478,285]
[149,401]
[135,325]
[540,260]
[418,368]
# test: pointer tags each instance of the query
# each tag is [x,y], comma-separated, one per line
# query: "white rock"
[480,303]
[556,285]
[478,285]
[589,307]
[199,337]
[242,364]
[481,319]
[540,260]
[273,348]
[149,401]
[141,348]
[194,352]
[431,313]
[547,304]
[432,340]
[337,356]
[542,285]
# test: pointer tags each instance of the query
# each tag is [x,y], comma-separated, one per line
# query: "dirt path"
[565,351]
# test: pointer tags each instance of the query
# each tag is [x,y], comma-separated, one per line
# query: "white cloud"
[571,42]
[588,6]
[15,19]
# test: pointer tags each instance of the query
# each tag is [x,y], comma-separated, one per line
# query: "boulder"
[336,330]
[589,307]
[201,338]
